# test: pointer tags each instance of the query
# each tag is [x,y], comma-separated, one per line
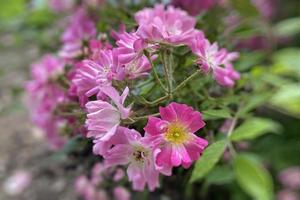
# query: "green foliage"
[40,18]
[11,9]
[216,114]
[253,178]
[287,61]
[245,8]
[253,128]
[220,175]
[287,27]
[75,144]
[287,99]
[253,102]
[249,59]
[208,160]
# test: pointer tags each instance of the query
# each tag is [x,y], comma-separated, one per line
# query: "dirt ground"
[21,145]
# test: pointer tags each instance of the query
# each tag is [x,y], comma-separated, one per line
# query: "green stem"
[231,128]
[168,69]
[230,131]
[133,120]
[157,79]
[146,116]
[155,102]
[169,95]
[183,83]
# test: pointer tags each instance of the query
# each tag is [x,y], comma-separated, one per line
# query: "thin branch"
[155,102]
[183,83]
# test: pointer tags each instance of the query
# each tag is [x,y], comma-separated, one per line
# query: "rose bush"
[172,100]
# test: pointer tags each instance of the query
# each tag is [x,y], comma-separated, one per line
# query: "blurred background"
[266,32]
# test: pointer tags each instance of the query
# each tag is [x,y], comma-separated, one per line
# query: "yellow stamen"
[176,133]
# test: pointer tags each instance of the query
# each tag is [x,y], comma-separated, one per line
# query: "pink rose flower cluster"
[93,187]
[97,82]
[168,142]
[44,95]
[80,29]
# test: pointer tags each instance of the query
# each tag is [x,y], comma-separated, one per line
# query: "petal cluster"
[80,29]
[139,157]
[44,95]
[129,54]
[219,61]
[93,187]
[170,25]
[103,118]
[174,135]
[168,142]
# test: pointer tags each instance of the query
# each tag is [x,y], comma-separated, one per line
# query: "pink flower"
[88,191]
[290,177]
[130,54]
[138,155]
[95,48]
[171,25]
[287,194]
[61,6]
[101,147]
[80,29]
[121,193]
[43,95]
[265,7]
[52,128]
[174,135]
[194,7]
[96,176]
[103,118]
[49,66]
[17,183]
[118,175]
[93,188]
[81,183]
[94,3]
[92,75]
[210,57]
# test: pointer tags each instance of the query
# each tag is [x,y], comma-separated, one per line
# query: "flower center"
[176,133]
[102,77]
[139,154]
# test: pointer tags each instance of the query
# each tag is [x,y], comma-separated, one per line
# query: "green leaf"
[208,160]
[247,60]
[11,9]
[288,99]
[253,102]
[220,175]
[245,8]
[253,128]
[76,143]
[289,59]
[288,27]
[40,18]
[253,178]
[216,114]
[146,89]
